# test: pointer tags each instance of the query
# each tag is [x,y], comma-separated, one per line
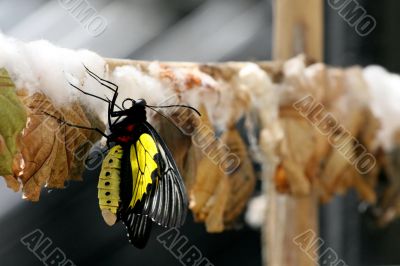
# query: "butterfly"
[139,182]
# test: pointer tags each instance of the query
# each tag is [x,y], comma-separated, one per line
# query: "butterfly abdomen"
[109,184]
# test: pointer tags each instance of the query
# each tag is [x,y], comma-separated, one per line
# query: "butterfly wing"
[139,228]
[168,204]
[144,167]
[139,172]
[152,188]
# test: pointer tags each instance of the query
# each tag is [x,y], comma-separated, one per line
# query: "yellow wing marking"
[109,180]
[143,165]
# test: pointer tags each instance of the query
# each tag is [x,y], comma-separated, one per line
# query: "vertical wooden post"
[298,29]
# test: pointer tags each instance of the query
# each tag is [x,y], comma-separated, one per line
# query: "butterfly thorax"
[126,131]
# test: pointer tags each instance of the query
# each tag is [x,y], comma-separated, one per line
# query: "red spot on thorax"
[123,138]
[130,128]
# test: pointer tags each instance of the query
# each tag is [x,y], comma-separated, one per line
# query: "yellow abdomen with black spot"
[109,182]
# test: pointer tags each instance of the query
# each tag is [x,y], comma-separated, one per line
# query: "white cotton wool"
[293,70]
[211,94]
[265,102]
[50,65]
[220,108]
[12,58]
[193,96]
[54,66]
[259,84]
[135,84]
[384,88]
[255,214]
[40,66]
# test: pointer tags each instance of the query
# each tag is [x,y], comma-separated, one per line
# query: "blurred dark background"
[190,30]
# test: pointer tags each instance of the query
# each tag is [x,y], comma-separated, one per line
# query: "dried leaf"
[202,184]
[178,143]
[190,167]
[242,180]
[208,175]
[218,197]
[366,192]
[215,219]
[281,181]
[52,151]
[298,148]
[335,165]
[12,183]
[12,122]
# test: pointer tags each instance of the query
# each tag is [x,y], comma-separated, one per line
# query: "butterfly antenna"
[166,117]
[176,105]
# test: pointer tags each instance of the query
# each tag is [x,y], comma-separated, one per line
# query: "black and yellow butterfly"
[139,181]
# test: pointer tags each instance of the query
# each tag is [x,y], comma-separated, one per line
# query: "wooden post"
[298,29]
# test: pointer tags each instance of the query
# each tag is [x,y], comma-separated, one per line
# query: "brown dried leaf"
[365,191]
[77,142]
[191,154]
[281,181]
[215,219]
[298,147]
[201,184]
[49,149]
[336,164]
[219,196]
[190,167]
[242,180]
[208,175]
[12,183]
[178,143]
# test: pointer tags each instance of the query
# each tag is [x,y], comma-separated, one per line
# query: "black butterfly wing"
[139,228]
[168,204]
[148,192]
[139,173]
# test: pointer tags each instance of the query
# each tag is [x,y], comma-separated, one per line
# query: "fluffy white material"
[134,83]
[40,66]
[256,210]
[384,88]
[207,93]
[265,101]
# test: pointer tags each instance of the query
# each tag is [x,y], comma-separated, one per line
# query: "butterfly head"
[135,110]
[131,104]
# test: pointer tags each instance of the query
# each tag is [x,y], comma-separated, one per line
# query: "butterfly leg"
[108,85]
[63,122]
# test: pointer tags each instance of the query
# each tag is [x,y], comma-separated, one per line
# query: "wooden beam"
[298,28]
